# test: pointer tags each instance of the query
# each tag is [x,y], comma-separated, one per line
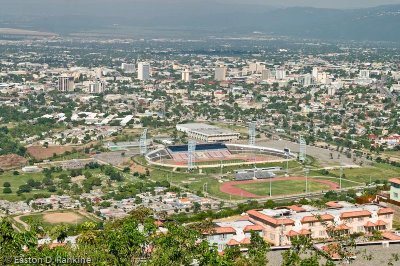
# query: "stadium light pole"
[270,187]
[306,170]
[287,163]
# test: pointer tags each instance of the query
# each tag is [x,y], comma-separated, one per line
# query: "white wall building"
[97,87]
[143,71]
[186,75]
[128,68]
[66,84]
[220,73]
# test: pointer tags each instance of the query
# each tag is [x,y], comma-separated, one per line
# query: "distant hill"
[183,18]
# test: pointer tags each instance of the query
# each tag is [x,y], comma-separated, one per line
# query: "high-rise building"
[97,86]
[99,72]
[364,74]
[266,74]
[143,70]
[220,73]
[66,84]
[256,67]
[128,68]
[307,80]
[280,73]
[186,75]
[315,73]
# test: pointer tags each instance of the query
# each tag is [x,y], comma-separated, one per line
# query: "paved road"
[323,155]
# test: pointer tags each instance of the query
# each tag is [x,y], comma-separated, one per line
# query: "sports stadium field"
[280,186]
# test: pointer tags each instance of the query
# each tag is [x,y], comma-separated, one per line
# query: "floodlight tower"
[191,154]
[252,133]
[143,142]
[302,150]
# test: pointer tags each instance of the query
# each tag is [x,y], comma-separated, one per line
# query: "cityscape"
[218,148]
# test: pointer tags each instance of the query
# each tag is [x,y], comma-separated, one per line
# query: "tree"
[60,232]
[6,184]
[258,249]
[7,190]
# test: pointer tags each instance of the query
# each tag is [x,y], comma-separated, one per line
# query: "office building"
[220,73]
[280,73]
[143,71]
[315,73]
[186,75]
[128,68]
[364,74]
[97,87]
[66,84]
[266,74]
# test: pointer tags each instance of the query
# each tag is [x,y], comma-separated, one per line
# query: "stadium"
[216,155]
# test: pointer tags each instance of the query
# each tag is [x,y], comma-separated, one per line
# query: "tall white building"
[66,84]
[186,75]
[97,87]
[364,74]
[280,73]
[128,68]
[143,70]
[315,73]
[220,73]
[307,80]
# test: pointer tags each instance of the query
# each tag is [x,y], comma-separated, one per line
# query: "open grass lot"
[363,175]
[293,166]
[345,182]
[194,182]
[287,187]
[16,181]
[50,219]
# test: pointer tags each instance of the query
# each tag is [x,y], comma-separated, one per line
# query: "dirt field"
[137,168]
[12,161]
[62,217]
[232,189]
[42,153]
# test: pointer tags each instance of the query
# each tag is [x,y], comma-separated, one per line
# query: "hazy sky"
[282,3]
[322,3]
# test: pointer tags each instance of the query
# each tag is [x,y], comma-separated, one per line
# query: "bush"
[7,190]
[52,189]
[6,184]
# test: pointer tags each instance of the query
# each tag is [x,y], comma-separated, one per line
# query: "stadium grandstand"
[216,154]
[257,173]
[207,133]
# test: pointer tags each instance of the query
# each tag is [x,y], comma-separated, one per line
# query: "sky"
[322,3]
[340,4]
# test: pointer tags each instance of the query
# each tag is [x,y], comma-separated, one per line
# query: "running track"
[232,189]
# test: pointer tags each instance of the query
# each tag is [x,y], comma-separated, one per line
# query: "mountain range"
[203,18]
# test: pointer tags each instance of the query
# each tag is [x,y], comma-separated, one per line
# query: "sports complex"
[216,155]
[219,167]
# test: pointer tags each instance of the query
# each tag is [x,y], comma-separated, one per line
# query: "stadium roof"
[207,130]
